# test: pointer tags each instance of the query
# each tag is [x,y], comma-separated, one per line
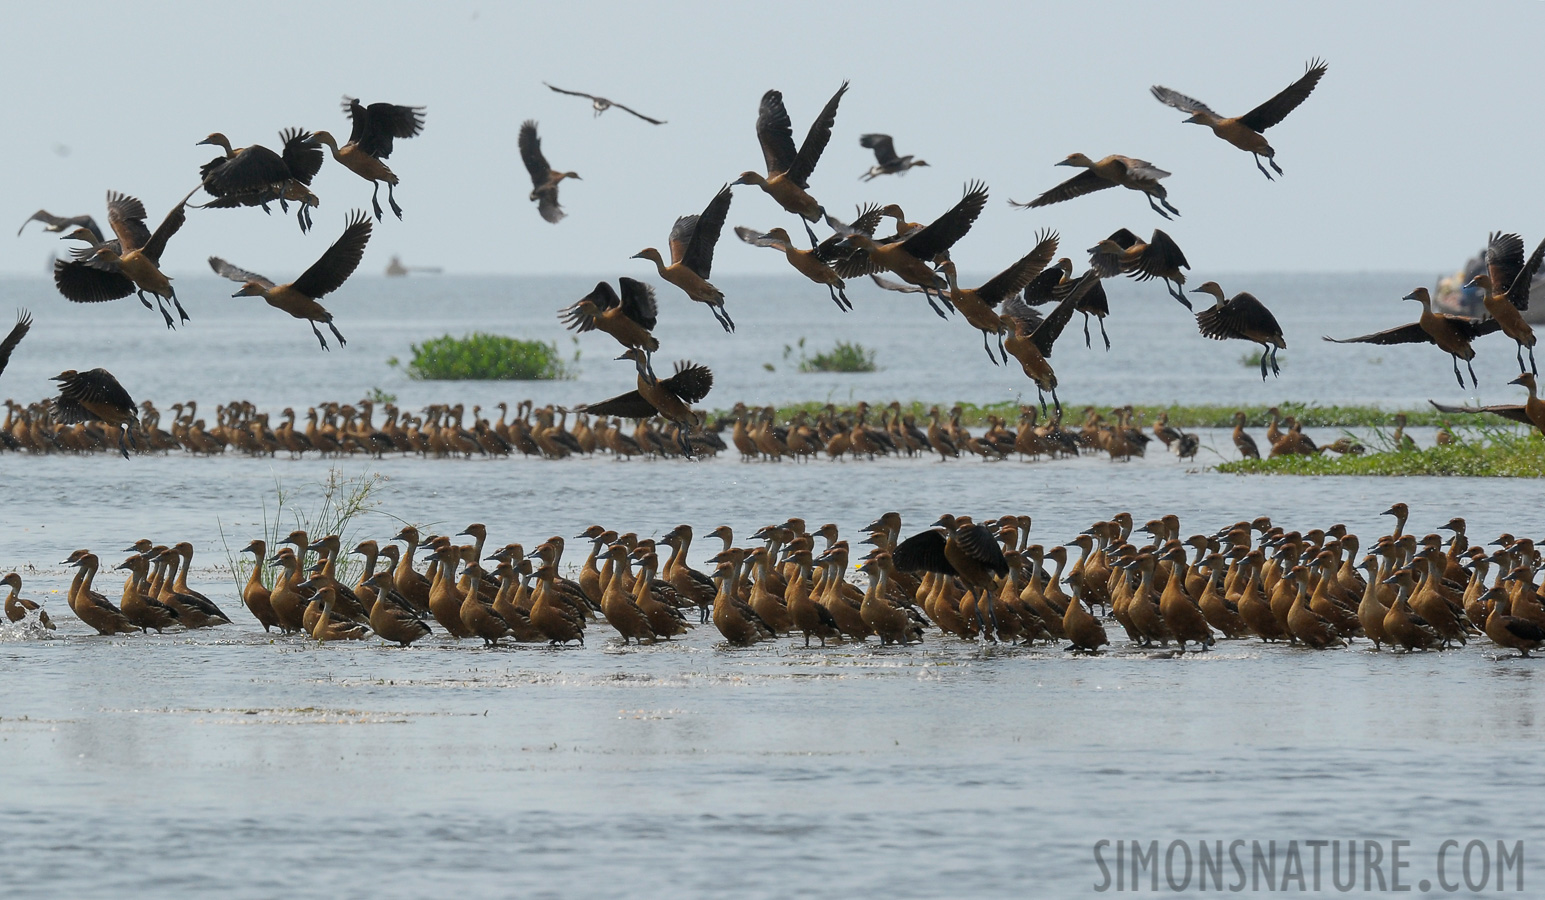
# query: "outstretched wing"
[236,273]
[1012,280]
[302,154]
[23,325]
[924,552]
[638,302]
[775,133]
[168,227]
[1085,182]
[979,544]
[1519,292]
[576,318]
[1041,288]
[126,216]
[60,223]
[81,282]
[254,169]
[815,141]
[698,253]
[531,154]
[1276,109]
[1045,335]
[629,109]
[339,262]
[631,405]
[1181,102]
[1516,413]
[756,238]
[943,232]
[83,390]
[691,382]
[377,124]
[575,93]
[1405,334]
[881,144]
[1160,258]
[897,286]
[1504,260]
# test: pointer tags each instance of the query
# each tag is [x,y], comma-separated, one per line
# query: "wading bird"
[1241,318]
[299,297]
[670,398]
[1244,131]
[56,224]
[96,396]
[1506,284]
[1124,253]
[629,318]
[370,142]
[19,331]
[789,169]
[544,178]
[886,162]
[1452,334]
[692,243]
[257,176]
[1112,171]
[135,255]
[601,104]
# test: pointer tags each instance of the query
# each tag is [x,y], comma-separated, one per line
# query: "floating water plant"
[486,357]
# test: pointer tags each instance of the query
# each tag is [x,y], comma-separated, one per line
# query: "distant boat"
[1454,298]
[395,269]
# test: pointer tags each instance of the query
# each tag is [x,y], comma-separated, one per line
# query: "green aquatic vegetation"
[319,509]
[844,357]
[1482,452]
[486,357]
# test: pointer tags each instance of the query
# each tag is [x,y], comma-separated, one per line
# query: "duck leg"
[123,440]
[1087,343]
[1265,358]
[1002,350]
[847,305]
[1258,165]
[1155,207]
[321,340]
[1168,206]
[1103,335]
[178,303]
[1175,292]
[1275,167]
[934,306]
[833,292]
[1469,364]
[1532,369]
[165,313]
[988,347]
[391,201]
[1274,370]
[725,322]
[334,329]
[376,204]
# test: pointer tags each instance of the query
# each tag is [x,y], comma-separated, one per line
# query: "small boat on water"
[395,268]
[1453,297]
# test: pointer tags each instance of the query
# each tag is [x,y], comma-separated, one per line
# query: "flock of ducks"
[972,581]
[446,431]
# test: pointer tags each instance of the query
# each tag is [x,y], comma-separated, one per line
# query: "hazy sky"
[1424,134]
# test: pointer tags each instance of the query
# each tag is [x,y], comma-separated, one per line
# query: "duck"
[477,615]
[371,135]
[886,162]
[912,258]
[392,617]
[1112,171]
[1244,131]
[977,305]
[1531,412]
[601,104]
[788,169]
[19,609]
[692,244]
[1241,317]
[806,262]
[544,178]
[1451,334]
[617,603]
[327,628]
[1506,284]
[1081,627]
[143,610]
[1509,631]
[1124,253]
[257,176]
[628,316]
[91,607]
[736,621]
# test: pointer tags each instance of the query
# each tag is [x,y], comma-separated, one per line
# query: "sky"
[1422,137]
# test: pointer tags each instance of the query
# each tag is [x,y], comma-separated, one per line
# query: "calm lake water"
[230,763]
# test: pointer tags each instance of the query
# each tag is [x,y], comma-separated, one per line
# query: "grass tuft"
[844,357]
[341,500]
[486,357]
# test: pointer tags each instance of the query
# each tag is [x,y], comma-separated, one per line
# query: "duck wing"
[943,232]
[816,140]
[19,331]
[697,252]
[1276,109]
[691,382]
[339,262]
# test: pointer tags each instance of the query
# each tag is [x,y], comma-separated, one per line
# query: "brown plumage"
[374,127]
[1124,253]
[789,169]
[629,317]
[692,243]
[544,178]
[1112,171]
[1244,318]
[1452,334]
[109,270]
[257,176]
[96,396]
[327,274]
[1506,284]
[1530,412]
[1244,131]
[1032,336]
[671,397]
[913,257]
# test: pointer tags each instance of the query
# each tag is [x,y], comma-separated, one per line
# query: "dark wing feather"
[377,124]
[1012,280]
[575,93]
[681,236]
[1180,101]
[531,154]
[1516,413]
[1045,335]
[302,155]
[23,325]
[1085,182]
[1276,109]
[1161,256]
[168,227]
[126,216]
[638,302]
[1519,292]
[884,149]
[1504,260]
[236,273]
[60,223]
[577,319]
[1470,329]
[698,253]
[691,382]
[1242,318]
[944,231]
[251,170]
[868,220]
[339,262]
[97,387]
[979,544]
[1405,334]
[82,283]
[629,109]
[1123,238]
[775,133]
[756,238]
[816,139]
[1041,287]
[923,552]
[631,405]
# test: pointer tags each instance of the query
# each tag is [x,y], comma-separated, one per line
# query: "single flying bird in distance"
[18,331]
[1031,336]
[56,224]
[130,264]
[789,169]
[544,178]
[1506,284]
[1112,171]
[370,141]
[1244,131]
[299,297]
[914,257]
[1530,412]
[807,262]
[1124,253]
[1057,282]
[1243,318]
[95,396]
[257,176]
[670,398]
[629,316]
[886,162]
[692,244]
[601,104]
[1452,334]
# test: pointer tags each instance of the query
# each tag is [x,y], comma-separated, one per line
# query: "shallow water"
[230,762]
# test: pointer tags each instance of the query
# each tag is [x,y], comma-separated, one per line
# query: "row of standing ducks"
[985,582]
